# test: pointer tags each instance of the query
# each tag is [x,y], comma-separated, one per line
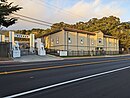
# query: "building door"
[99,51]
[99,48]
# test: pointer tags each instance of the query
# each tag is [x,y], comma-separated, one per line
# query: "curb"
[106,56]
[69,58]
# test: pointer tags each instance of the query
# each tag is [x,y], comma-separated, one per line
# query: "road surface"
[73,78]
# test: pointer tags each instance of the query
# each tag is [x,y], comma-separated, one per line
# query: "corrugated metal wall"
[5,49]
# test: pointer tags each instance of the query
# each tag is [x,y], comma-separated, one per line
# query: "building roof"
[79,31]
[76,30]
[70,29]
[108,36]
[56,31]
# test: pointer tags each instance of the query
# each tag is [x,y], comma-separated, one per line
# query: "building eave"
[69,29]
[79,31]
[108,36]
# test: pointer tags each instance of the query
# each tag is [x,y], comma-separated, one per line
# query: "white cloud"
[31,9]
[86,10]
[96,9]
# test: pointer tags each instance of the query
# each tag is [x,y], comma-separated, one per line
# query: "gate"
[25,52]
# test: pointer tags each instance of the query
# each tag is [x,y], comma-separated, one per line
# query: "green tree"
[60,25]
[5,10]
[122,31]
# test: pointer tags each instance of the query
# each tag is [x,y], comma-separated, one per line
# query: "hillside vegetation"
[108,25]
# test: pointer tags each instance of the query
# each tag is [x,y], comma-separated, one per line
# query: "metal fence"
[82,53]
[5,49]
[91,53]
[25,52]
[52,52]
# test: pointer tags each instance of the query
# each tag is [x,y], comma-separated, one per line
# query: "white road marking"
[66,82]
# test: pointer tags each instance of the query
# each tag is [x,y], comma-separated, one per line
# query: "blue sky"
[70,11]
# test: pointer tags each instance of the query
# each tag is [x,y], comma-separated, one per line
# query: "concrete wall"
[105,44]
[111,44]
[72,41]
[82,42]
[99,39]
[79,41]
[92,43]
[55,41]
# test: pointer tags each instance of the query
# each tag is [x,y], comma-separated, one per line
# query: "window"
[110,43]
[92,41]
[57,40]
[115,44]
[100,40]
[52,42]
[82,40]
[69,40]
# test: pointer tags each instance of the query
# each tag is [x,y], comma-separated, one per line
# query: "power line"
[32,18]
[27,20]
[63,11]
[37,21]
[34,22]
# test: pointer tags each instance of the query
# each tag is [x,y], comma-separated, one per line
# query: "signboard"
[63,53]
[21,36]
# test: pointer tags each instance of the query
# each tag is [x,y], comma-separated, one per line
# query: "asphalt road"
[65,78]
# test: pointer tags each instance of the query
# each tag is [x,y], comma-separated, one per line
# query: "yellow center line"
[54,67]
